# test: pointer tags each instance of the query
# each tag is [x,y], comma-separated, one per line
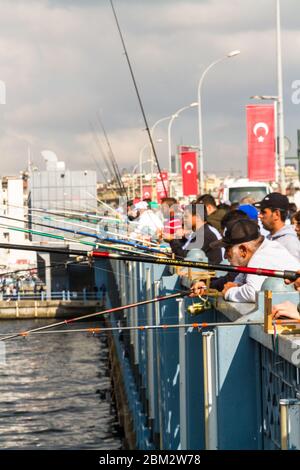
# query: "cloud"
[62,62]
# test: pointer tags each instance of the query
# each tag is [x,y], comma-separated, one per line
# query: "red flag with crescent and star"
[261,142]
[147,192]
[189,173]
[162,187]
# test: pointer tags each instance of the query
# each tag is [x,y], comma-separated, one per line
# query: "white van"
[237,190]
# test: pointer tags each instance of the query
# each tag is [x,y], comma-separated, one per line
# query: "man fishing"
[199,235]
[274,210]
[245,246]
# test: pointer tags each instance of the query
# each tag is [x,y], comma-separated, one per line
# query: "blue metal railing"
[64,295]
[163,371]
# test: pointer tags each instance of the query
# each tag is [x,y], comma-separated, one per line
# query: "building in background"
[73,194]
[13,204]
[58,190]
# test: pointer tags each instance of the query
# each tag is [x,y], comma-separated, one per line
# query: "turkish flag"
[162,185]
[147,192]
[189,173]
[261,142]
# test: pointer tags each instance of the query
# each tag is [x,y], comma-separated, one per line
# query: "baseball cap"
[274,201]
[239,231]
[250,210]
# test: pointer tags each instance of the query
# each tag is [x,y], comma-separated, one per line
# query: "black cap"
[274,201]
[239,231]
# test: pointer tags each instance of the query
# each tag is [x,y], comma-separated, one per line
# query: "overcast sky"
[62,62]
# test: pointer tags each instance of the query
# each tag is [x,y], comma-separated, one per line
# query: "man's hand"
[296,283]
[198,288]
[286,309]
[228,286]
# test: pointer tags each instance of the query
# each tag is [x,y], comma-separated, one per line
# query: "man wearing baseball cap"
[245,246]
[273,214]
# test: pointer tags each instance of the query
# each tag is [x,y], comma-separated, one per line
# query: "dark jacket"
[204,235]
[215,218]
[219,282]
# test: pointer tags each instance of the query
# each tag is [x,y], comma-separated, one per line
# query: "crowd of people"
[12,285]
[264,234]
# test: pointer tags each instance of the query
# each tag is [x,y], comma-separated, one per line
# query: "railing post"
[289,423]
[150,346]
[210,399]
[182,376]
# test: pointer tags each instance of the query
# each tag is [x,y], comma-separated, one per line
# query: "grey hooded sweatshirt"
[288,238]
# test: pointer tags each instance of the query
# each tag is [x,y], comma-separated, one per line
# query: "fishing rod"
[62,212]
[103,203]
[290,275]
[44,249]
[112,156]
[122,235]
[73,222]
[136,245]
[39,268]
[91,315]
[98,166]
[142,328]
[113,169]
[164,327]
[65,213]
[198,326]
[132,243]
[138,96]
[71,240]
[69,212]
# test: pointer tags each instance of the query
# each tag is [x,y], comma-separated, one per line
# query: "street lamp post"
[228,56]
[141,154]
[278,102]
[281,152]
[141,167]
[173,117]
[133,179]
[166,118]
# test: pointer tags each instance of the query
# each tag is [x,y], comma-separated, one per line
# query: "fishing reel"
[207,302]
[200,307]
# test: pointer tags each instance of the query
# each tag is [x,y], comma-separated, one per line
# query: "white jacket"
[270,255]
[148,224]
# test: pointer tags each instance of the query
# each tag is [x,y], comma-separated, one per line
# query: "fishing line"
[138,96]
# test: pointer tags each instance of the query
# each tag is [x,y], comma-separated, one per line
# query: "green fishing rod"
[71,240]
[96,236]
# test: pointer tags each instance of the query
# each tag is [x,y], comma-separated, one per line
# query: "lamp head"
[233,53]
[264,97]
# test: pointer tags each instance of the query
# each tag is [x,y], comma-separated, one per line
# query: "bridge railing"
[64,295]
[221,387]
